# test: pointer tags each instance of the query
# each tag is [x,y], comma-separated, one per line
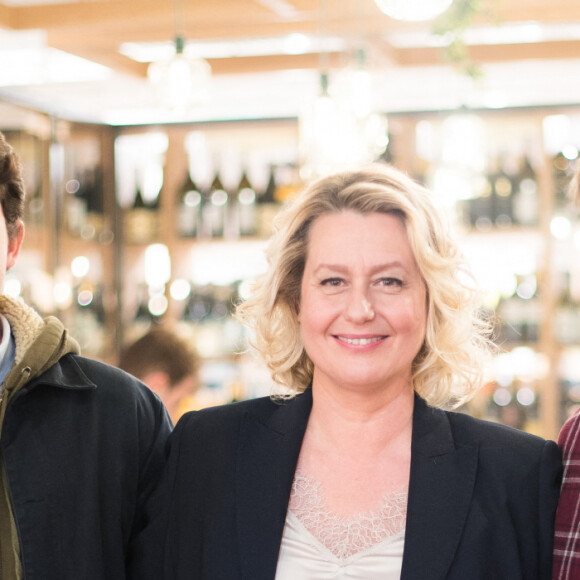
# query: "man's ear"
[157,381]
[14,244]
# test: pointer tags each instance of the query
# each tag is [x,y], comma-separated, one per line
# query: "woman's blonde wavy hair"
[449,367]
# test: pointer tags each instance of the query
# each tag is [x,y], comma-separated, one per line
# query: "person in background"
[368,319]
[167,364]
[567,527]
[81,442]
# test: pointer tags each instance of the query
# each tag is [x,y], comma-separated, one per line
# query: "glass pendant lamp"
[415,10]
[180,82]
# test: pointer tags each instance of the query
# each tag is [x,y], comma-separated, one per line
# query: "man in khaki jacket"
[81,442]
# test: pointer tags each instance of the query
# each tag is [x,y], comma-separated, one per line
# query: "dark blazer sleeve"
[549,482]
[482,500]
[220,509]
[155,428]
[181,514]
[522,475]
[151,549]
[191,512]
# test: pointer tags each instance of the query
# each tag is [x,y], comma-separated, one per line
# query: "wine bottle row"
[519,316]
[519,319]
[508,195]
[200,212]
[213,212]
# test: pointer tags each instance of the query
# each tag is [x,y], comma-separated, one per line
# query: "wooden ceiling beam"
[245,12]
[533,10]
[395,57]
[6,16]
[270,63]
[97,13]
[492,53]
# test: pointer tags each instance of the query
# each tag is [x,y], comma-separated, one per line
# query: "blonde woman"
[368,321]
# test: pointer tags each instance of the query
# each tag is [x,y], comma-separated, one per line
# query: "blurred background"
[160,137]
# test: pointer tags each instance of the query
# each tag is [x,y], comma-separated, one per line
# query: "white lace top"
[319,544]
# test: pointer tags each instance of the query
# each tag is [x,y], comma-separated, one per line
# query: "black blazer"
[482,497]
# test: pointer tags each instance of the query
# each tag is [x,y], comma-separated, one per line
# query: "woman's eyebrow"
[374,269]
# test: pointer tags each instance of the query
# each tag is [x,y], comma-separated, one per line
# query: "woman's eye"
[391,282]
[332,282]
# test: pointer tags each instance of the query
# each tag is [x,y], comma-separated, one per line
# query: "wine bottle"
[232,216]
[93,193]
[139,220]
[480,206]
[246,205]
[501,194]
[526,202]
[567,315]
[199,306]
[532,310]
[512,316]
[75,207]
[143,315]
[267,206]
[564,319]
[562,172]
[89,317]
[189,208]
[215,208]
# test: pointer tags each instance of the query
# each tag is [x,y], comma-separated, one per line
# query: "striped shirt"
[567,529]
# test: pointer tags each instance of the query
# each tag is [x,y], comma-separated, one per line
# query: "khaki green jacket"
[39,345]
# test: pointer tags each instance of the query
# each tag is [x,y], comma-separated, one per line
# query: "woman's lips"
[359,341]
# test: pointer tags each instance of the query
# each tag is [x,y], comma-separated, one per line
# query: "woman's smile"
[360,341]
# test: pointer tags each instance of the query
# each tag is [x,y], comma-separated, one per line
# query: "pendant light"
[181,83]
[415,10]
[339,129]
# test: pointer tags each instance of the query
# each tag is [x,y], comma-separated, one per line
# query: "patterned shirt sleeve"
[567,528]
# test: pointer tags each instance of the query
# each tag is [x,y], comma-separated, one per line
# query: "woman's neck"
[358,449]
[362,422]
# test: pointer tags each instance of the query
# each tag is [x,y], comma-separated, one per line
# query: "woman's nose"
[359,308]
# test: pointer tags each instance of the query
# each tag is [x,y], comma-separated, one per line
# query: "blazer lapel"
[440,491]
[267,457]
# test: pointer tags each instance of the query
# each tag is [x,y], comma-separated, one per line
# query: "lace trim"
[341,535]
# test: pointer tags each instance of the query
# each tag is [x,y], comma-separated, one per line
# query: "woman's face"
[363,306]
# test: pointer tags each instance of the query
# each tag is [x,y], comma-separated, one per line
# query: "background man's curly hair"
[11,187]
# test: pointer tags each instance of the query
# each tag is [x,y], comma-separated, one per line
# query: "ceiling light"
[413,9]
[297,43]
[181,82]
